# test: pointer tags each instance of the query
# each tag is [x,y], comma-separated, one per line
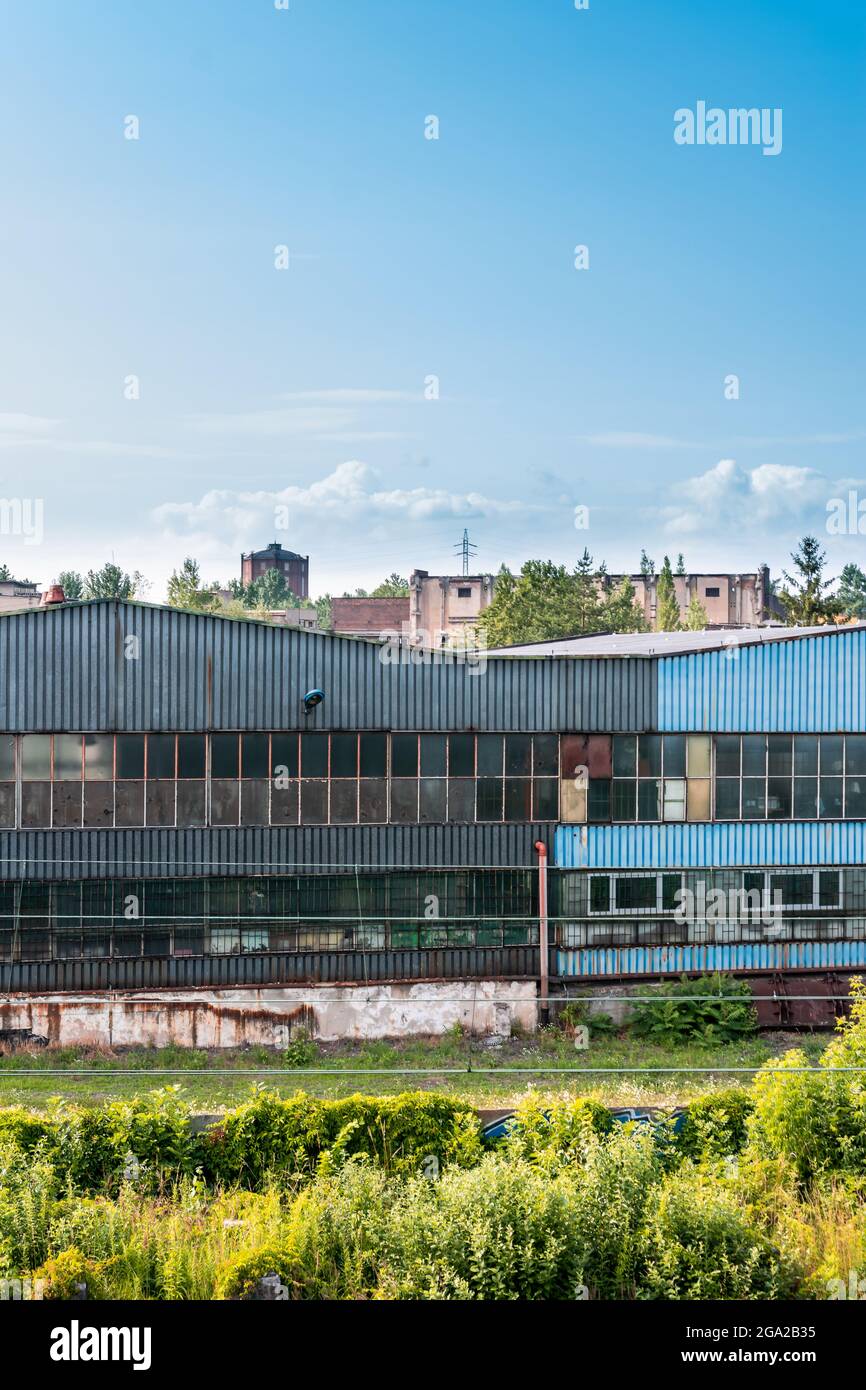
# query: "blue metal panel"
[677,960]
[805,685]
[736,843]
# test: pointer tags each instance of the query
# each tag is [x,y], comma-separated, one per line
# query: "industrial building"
[191,803]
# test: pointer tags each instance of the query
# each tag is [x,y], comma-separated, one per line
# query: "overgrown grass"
[631,1080]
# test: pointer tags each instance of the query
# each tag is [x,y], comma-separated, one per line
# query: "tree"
[544,602]
[697,617]
[805,596]
[392,587]
[589,607]
[667,607]
[5,572]
[185,589]
[112,582]
[72,584]
[323,612]
[851,593]
[269,591]
[681,564]
[622,612]
[647,566]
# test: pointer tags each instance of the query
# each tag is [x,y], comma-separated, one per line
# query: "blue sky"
[412,258]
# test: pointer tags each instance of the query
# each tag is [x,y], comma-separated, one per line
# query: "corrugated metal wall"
[734,843]
[595,962]
[806,685]
[312,849]
[314,967]
[74,668]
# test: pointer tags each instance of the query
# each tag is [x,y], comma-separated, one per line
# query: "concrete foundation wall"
[234,1017]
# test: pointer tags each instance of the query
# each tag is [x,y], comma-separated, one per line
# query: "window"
[711,591]
[464,592]
[635,894]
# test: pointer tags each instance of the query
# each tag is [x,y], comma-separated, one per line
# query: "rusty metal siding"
[740,844]
[606,961]
[801,685]
[312,849]
[309,967]
[68,668]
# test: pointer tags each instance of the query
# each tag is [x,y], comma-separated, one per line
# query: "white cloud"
[347,497]
[731,498]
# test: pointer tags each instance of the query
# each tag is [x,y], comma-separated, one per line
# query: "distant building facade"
[444,609]
[295,569]
[731,600]
[18,593]
[370,617]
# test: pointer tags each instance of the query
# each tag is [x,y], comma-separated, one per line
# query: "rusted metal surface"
[787,1008]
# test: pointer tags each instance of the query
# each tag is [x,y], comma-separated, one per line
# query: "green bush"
[682,1017]
[716,1124]
[295,1136]
[145,1140]
[28,1190]
[556,1132]
[816,1119]
[699,1244]
[65,1272]
[25,1131]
